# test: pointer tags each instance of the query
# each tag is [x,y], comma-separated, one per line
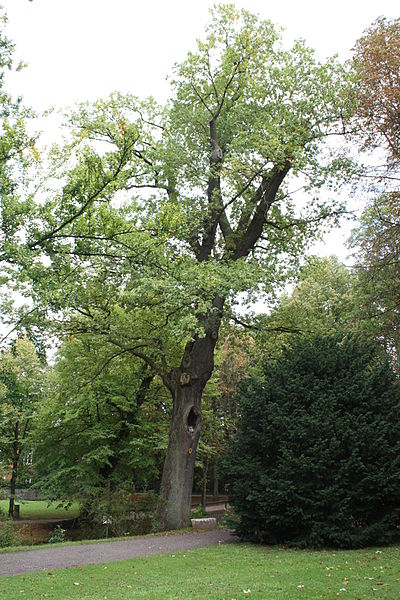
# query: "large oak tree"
[165,215]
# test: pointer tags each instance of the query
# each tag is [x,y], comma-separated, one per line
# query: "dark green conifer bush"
[316,460]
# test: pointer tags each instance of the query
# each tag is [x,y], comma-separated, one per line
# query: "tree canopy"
[377,62]
[169,212]
[22,380]
[101,427]
[155,219]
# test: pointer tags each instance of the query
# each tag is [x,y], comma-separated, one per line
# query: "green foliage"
[58,535]
[17,154]
[145,232]
[8,536]
[376,244]
[22,378]
[118,513]
[234,355]
[102,424]
[316,458]
[154,220]
[331,298]
[376,238]
[199,513]
[325,300]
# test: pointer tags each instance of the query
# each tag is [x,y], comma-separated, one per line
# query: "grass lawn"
[231,571]
[39,509]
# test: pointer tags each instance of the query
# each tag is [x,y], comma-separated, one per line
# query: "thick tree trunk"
[186,385]
[177,480]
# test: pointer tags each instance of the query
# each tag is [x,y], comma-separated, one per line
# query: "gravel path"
[45,559]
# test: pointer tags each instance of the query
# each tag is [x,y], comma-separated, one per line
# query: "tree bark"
[177,479]
[14,473]
[186,385]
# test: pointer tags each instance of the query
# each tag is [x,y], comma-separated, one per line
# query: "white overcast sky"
[85,49]
[80,50]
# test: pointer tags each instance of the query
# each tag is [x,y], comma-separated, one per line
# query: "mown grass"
[40,509]
[230,571]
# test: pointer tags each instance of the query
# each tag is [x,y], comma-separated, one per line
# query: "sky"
[84,49]
[79,50]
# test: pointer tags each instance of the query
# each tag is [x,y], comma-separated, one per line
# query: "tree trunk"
[14,473]
[186,385]
[177,479]
[215,480]
[204,484]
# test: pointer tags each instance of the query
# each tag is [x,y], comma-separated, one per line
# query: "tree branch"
[278,329]
[264,198]
[83,208]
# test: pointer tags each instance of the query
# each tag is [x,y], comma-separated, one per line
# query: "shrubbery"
[8,536]
[316,460]
[58,535]
[118,513]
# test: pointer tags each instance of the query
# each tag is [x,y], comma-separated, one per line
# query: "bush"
[8,537]
[118,513]
[316,460]
[58,535]
[7,534]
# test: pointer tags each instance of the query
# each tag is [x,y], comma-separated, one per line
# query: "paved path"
[45,559]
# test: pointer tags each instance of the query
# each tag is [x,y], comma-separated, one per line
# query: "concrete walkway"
[49,558]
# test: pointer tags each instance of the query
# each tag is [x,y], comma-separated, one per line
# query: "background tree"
[331,298]
[21,389]
[236,354]
[376,240]
[212,214]
[377,61]
[323,301]
[315,459]
[102,428]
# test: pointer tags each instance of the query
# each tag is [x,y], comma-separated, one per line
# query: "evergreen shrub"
[316,459]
